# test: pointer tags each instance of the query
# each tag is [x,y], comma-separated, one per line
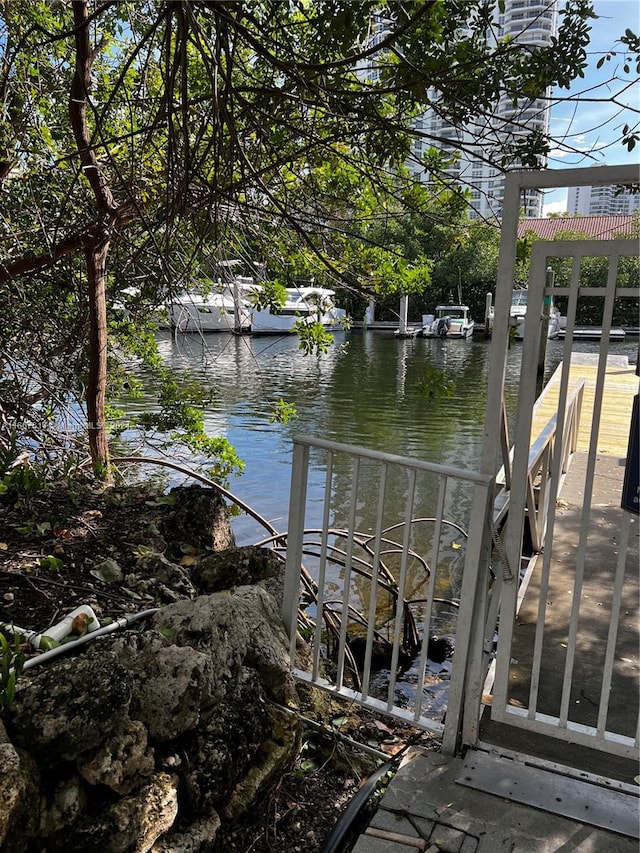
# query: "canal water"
[369,389]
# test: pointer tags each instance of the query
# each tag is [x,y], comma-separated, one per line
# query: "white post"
[237,321]
[488,302]
[369,314]
[404,307]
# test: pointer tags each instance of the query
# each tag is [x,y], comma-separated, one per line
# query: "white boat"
[518,314]
[223,310]
[127,304]
[306,304]
[449,321]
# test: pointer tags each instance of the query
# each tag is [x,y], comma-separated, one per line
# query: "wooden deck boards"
[621,384]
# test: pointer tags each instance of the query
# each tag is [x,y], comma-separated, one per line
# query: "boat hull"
[518,316]
[301,306]
[455,334]
[217,314]
[448,322]
[553,329]
[264,323]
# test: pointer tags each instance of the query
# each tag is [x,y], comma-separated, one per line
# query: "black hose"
[339,832]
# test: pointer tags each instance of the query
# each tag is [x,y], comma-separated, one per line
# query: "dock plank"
[621,384]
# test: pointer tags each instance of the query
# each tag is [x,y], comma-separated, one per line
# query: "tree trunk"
[96,258]
[96,251]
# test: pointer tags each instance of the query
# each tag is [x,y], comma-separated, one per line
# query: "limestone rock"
[163,580]
[19,781]
[170,684]
[70,707]
[122,761]
[200,522]
[236,567]
[130,824]
[199,836]
[150,814]
[147,739]
[62,807]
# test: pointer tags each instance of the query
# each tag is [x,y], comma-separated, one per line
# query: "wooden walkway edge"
[621,384]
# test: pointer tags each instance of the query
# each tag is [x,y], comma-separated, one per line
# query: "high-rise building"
[602,201]
[530,23]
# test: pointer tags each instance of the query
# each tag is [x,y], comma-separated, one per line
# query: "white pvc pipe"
[122,622]
[64,628]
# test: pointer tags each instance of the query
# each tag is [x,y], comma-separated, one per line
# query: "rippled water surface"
[368,389]
[372,390]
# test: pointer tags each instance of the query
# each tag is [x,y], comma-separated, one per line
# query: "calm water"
[366,391]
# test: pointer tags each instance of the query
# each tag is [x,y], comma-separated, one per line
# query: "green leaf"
[54,564]
[283,412]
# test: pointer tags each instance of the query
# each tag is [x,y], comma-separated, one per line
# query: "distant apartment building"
[602,201]
[531,23]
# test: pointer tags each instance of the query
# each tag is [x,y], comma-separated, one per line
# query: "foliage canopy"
[142,143]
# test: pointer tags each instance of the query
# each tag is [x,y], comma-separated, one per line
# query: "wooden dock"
[620,386]
[591,333]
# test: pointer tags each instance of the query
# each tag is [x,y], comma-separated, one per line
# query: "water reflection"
[366,390]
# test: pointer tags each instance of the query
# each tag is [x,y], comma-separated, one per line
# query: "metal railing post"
[472,657]
[297,502]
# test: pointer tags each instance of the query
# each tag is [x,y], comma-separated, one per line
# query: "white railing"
[374,550]
[560,670]
[541,465]
[540,468]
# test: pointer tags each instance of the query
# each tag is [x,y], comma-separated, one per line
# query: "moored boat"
[518,315]
[306,304]
[225,309]
[449,321]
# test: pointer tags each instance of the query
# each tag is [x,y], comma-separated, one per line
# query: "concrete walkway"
[429,808]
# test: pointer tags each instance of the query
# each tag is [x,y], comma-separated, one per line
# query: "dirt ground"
[51,542]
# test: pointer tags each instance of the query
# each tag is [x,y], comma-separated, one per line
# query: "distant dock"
[592,333]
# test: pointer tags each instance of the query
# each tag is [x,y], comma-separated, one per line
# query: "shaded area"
[596,602]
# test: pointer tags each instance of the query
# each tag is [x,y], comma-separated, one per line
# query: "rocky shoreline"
[177,727]
[155,734]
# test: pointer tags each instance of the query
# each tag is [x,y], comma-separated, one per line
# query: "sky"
[593,127]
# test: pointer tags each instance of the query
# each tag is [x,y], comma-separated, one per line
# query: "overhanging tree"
[154,133]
